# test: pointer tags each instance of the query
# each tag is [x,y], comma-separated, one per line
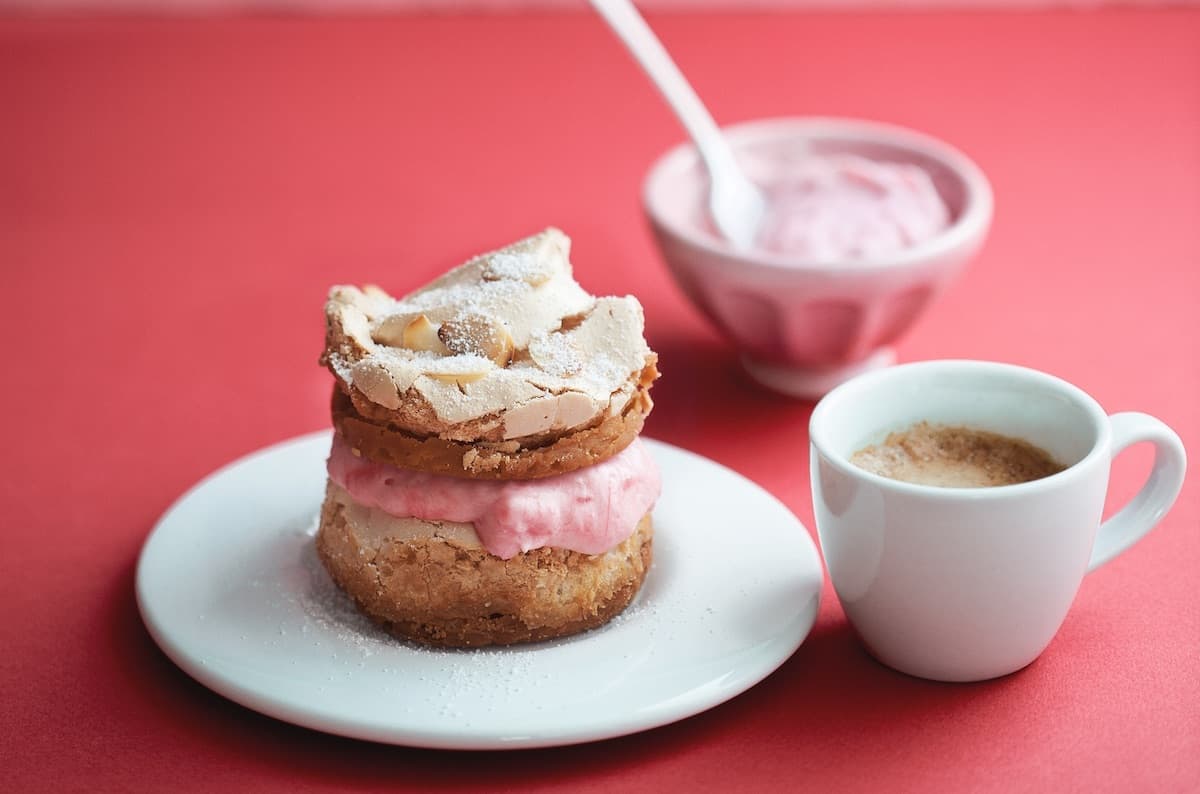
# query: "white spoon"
[736,204]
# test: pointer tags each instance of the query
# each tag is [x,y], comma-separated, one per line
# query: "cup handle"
[1158,493]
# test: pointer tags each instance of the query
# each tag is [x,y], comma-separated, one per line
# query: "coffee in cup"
[955,457]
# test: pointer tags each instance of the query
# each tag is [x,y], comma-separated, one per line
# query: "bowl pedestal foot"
[812,382]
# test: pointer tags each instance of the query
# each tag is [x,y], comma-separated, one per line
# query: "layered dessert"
[486,483]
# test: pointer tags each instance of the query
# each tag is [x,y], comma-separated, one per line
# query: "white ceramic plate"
[230,588]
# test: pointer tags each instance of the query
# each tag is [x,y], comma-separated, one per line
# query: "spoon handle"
[645,47]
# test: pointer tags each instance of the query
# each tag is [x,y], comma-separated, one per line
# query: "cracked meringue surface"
[505,346]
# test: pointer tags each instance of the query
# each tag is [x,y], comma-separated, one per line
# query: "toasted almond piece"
[456,377]
[504,352]
[573,321]
[415,333]
[475,334]
[460,369]
[354,325]
[421,334]
[390,331]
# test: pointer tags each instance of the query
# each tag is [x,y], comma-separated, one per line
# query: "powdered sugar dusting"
[462,364]
[475,297]
[451,684]
[556,353]
[522,296]
[520,266]
[330,612]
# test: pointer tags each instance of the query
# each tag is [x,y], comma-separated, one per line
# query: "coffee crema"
[955,457]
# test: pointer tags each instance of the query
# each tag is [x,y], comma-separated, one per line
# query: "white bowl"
[803,327]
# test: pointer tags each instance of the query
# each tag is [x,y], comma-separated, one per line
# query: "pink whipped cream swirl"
[590,510]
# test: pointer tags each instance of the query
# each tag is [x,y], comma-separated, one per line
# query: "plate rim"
[373,730]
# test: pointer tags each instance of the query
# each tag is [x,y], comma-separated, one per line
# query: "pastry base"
[437,592]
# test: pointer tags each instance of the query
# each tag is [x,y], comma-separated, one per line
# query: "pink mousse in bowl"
[867,224]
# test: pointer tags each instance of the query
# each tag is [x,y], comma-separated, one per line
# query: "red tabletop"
[177,196]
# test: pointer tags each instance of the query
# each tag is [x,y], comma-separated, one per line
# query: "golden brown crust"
[439,593]
[374,437]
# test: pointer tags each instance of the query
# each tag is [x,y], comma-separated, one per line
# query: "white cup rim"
[1102,429]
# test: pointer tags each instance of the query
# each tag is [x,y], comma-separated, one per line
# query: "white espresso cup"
[965,584]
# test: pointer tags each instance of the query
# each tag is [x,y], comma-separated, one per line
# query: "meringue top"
[508,336]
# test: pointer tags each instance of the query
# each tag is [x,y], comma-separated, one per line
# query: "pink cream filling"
[844,207]
[590,510]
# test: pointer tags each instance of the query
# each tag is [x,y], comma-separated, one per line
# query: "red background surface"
[176,197]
